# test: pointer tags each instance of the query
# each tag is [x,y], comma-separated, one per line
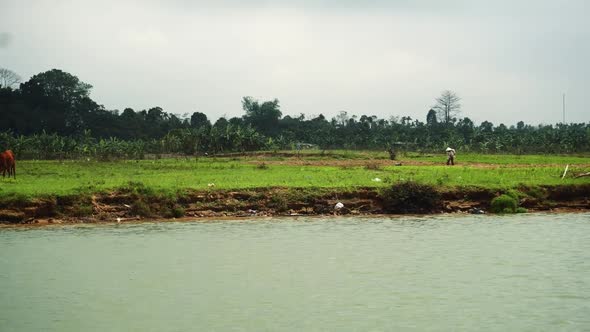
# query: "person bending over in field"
[451,156]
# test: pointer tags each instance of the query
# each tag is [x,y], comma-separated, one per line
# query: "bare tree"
[8,78]
[447,106]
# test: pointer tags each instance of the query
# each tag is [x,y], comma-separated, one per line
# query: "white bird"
[338,206]
[118,220]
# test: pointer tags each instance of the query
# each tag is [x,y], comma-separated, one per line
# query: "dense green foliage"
[504,204]
[52,116]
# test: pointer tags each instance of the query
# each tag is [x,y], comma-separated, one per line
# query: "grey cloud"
[508,60]
[5,39]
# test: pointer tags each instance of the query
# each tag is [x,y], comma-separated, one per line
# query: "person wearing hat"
[451,156]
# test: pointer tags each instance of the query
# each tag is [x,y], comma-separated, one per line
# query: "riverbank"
[290,183]
[136,202]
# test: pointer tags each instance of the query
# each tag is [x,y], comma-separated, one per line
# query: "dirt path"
[384,163]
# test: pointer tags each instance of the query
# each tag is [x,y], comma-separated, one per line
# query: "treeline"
[181,141]
[52,116]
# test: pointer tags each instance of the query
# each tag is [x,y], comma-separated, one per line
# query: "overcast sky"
[508,60]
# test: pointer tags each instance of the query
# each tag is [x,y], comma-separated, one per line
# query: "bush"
[514,194]
[279,203]
[410,197]
[178,211]
[140,208]
[504,204]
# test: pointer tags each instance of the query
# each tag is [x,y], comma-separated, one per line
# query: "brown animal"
[7,163]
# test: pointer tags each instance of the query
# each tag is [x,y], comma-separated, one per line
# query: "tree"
[128,114]
[199,119]
[58,86]
[156,114]
[8,78]
[221,123]
[448,106]
[467,129]
[263,117]
[60,100]
[431,118]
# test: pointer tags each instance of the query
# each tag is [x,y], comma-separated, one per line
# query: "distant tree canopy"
[431,118]
[199,120]
[263,117]
[52,115]
[58,87]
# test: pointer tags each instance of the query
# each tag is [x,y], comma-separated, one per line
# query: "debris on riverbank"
[136,202]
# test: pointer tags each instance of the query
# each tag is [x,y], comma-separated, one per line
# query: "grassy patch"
[504,204]
[152,177]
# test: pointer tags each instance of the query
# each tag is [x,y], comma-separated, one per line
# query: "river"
[526,272]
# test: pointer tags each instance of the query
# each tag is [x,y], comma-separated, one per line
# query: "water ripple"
[523,272]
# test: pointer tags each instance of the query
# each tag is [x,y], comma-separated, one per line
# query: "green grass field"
[38,178]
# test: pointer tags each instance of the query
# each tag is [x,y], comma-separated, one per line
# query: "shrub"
[140,208]
[504,204]
[161,210]
[262,165]
[514,194]
[178,211]
[279,203]
[410,197]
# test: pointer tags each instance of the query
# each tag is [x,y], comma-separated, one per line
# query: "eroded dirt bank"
[138,203]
